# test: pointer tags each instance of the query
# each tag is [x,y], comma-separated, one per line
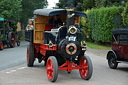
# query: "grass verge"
[22,38]
[97,46]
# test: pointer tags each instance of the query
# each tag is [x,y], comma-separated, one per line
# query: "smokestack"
[70,13]
[70,4]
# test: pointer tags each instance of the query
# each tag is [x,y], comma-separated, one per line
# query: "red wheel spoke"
[49,69]
[85,67]
[84,72]
[85,63]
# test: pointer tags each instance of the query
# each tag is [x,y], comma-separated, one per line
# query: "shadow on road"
[123,69]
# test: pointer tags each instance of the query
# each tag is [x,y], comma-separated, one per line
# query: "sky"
[51,3]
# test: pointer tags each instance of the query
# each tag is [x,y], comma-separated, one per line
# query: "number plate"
[72,38]
[84,48]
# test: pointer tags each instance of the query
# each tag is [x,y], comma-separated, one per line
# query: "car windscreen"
[121,39]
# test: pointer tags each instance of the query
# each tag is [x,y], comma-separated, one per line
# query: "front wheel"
[52,69]
[112,61]
[1,46]
[86,72]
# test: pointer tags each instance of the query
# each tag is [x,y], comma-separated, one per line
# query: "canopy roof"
[52,12]
[119,31]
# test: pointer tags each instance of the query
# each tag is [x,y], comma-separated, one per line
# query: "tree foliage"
[10,9]
[88,4]
[20,10]
[83,5]
[29,6]
[77,4]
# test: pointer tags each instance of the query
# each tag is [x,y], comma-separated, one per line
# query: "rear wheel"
[1,46]
[12,40]
[52,69]
[112,61]
[86,72]
[30,56]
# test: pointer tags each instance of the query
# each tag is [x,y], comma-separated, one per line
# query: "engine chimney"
[70,13]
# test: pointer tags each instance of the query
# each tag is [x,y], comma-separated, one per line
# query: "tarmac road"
[11,57]
[23,75]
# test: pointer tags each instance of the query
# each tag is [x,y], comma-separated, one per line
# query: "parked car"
[119,52]
[60,46]
[7,35]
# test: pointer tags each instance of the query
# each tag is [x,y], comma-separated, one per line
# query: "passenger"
[55,21]
[30,25]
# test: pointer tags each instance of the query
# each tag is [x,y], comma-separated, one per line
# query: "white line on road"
[11,71]
[21,68]
[15,70]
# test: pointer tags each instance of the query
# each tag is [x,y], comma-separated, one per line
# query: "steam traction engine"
[60,48]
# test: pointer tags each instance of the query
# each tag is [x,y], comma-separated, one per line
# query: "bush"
[100,22]
[85,27]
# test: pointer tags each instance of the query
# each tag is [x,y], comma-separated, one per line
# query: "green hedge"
[125,15]
[100,22]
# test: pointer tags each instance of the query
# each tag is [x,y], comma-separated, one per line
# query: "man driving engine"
[55,21]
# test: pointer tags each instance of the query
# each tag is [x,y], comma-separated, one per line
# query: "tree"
[88,4]
[10,9]
[107,3]
[29,6]
[77,4]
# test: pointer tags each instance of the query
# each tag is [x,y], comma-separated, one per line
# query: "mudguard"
[112,51]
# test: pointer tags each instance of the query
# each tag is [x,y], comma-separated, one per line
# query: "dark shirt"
[55,22]
[78,27]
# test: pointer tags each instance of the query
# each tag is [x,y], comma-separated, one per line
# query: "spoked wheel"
[112,61]
[1,46]
[52,69]
[30,56]
[18,41]
[86,72]
[12,40]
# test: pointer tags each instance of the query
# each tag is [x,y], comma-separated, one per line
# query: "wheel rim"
[49,69]
[13,40]
[84,71]
[18,42]
[112,61]
[27,54]
[2,46]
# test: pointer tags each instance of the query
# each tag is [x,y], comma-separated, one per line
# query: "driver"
[55,21]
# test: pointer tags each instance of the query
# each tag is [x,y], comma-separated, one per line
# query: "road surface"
[11,57]
[15,72]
